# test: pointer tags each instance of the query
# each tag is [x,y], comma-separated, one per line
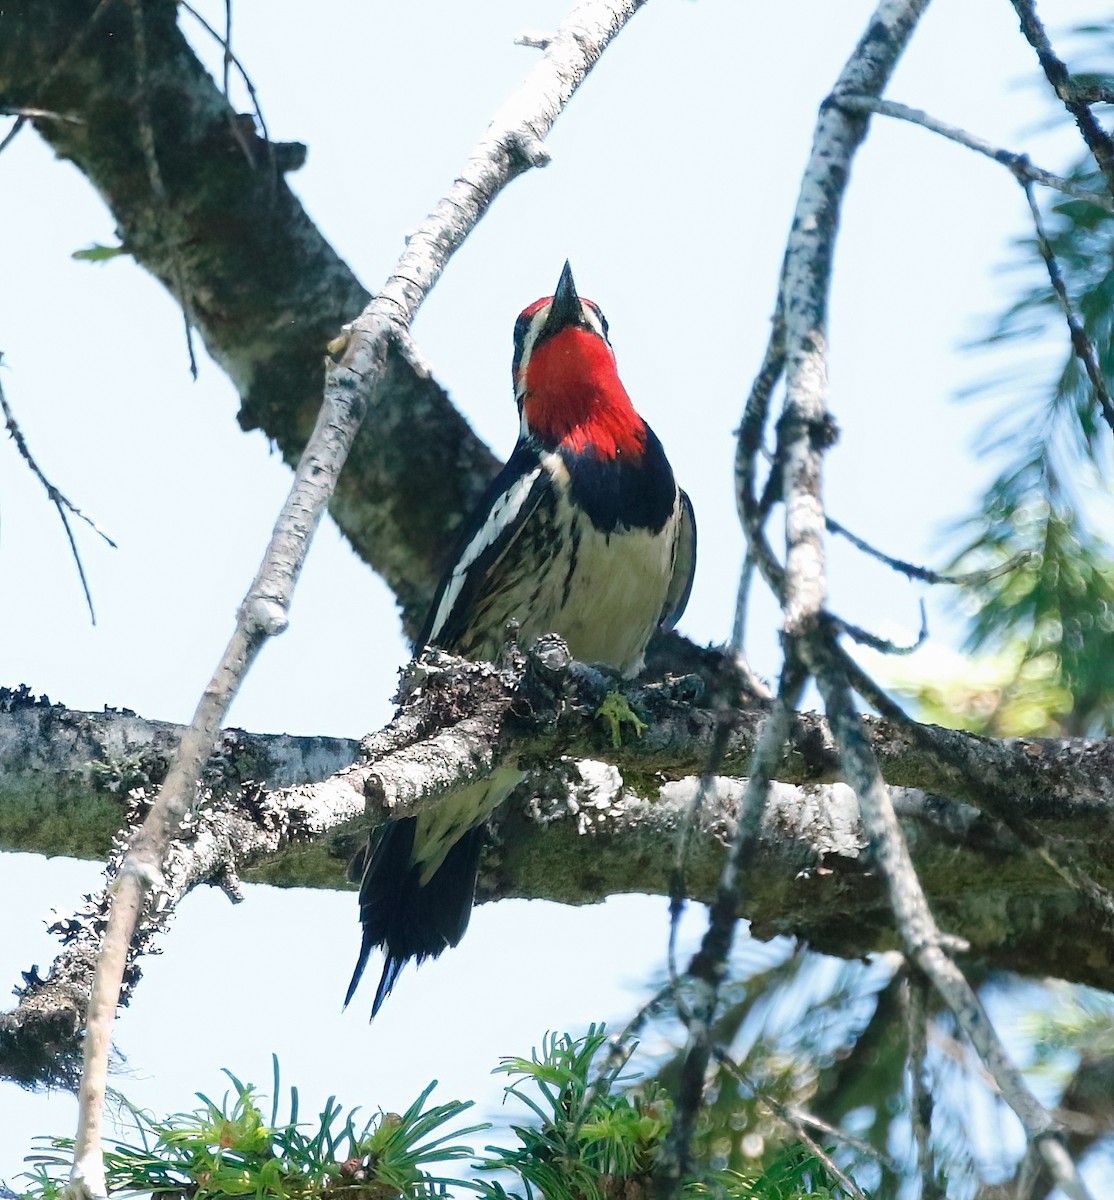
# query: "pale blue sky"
[671,188]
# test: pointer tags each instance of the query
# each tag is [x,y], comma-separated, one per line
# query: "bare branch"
[1018,163]
[37,114]
[926,574]
[924,942]
[752,514]
[576,833]
[350,387]
[1098,140]
[882,645]
[33,112]
[154,174]
[709,965]
[914,1002]
[532,39]
[230,59]
[266,291]
[1081,343]
[60,501]
[805,432]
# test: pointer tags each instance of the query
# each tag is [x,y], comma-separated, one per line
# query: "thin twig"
[12,133]
[154,174]
[1056,72]
[1009,158]
[926,574]
[1080,340]
[60,501]
[39,114]
[1091,93]
[882,645]
[230,58]
[742,603]
[709,965]
[803,1117]
[62,60]
[748,445]
[532,110]
[620,1046]
[787,1114]
[914,1002]
[532,39]
[227,56]
[724,702]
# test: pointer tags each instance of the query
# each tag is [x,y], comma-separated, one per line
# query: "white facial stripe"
[502,514]
[593,320]
[533,330]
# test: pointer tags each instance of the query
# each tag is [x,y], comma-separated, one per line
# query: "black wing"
[684,566]
[496,523]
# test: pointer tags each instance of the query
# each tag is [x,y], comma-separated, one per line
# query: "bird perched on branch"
[583,533]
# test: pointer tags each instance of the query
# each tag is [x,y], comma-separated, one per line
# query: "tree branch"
[258,281]
[579,832]
[805,432]
[1019,164]
[352,385]
[1098,140]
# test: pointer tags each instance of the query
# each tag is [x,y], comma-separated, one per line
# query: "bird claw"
[616,712]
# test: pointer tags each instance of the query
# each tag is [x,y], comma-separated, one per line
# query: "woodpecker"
[583,533]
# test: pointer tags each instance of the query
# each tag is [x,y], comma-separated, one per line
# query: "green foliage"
[1049,496]
[599,1137]
[96,253]
[1012,693]
[1056,610]
[1079,1024]
[231,1150]
[590,1130]
[596,1139]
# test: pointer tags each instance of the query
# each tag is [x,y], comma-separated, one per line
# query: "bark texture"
[606,819]
[206,209]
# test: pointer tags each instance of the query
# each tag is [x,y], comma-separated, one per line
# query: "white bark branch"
[806,430]
[508,148]
[1019,164]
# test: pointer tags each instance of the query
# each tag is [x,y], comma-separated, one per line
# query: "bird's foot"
[616,712]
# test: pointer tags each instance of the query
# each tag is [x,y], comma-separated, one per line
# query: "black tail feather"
[392,969]
[409,920]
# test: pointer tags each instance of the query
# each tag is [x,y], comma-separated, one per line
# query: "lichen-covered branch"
[56,762]
[578,832]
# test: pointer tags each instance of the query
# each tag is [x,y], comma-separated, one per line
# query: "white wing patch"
[503,513]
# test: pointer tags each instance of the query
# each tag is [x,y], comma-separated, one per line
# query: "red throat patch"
[574,397]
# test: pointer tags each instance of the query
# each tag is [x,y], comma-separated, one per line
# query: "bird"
[583,533]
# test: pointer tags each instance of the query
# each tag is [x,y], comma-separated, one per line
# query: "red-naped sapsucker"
[583,533]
